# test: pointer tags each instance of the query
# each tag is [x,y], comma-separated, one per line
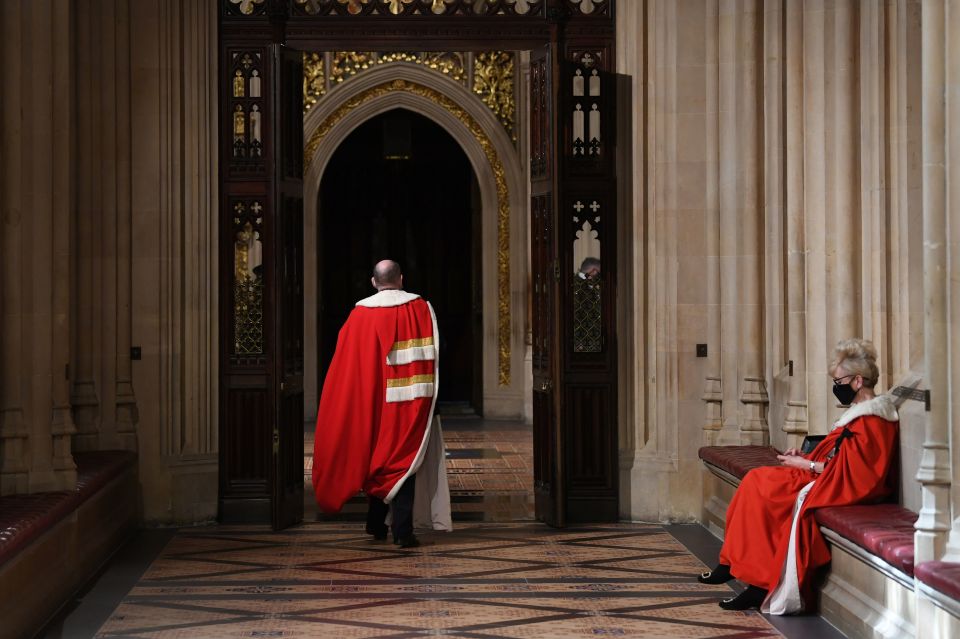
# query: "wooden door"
[586,238]
[548,476]
[287,190]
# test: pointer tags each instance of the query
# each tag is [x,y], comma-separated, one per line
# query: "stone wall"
[108,155]
[776,208]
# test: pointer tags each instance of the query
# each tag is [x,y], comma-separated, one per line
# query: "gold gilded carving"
[522,7]
[499,174]
[313,79]
[247,281]
[396,6]
[310,6]
[354,6]
[493,82]
[348,63]
[247,6]
[449,64]
[239,83]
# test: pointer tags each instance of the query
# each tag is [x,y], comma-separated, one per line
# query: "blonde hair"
[857,357]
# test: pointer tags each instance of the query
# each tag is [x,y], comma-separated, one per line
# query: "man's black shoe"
[408,542]
[379,535]
[752,597]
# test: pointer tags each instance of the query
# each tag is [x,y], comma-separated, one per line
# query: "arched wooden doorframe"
[575,405]
[476,130]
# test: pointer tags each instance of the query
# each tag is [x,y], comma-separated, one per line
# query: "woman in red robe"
[772,542]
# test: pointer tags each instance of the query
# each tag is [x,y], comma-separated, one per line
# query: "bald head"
[386,275]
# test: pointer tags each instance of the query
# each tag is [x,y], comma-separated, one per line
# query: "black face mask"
[844,393]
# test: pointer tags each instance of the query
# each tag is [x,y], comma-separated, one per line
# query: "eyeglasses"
[838,380]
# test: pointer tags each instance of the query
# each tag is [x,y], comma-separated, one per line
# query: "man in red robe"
[772,542]
[375,426]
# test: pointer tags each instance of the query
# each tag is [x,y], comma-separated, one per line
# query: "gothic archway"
[503,200]
[571,167]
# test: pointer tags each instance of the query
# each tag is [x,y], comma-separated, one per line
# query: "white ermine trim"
[390,297]
[408,393]
[882,406]
[412,354]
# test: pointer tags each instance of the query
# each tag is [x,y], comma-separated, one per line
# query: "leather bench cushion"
[23,518]
[942,576]
[738,460]
[885,530]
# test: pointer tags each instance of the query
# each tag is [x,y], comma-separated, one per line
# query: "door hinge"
[282,385]
[276,441]
[556,270]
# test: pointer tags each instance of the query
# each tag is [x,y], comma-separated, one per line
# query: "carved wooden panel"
[539,120]
[246,114]
[245,462]
[592,468]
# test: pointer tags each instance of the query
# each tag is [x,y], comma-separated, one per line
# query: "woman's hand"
[794,461]
[791,452]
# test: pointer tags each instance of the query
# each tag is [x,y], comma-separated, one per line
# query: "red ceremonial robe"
[376,409]
[771,539]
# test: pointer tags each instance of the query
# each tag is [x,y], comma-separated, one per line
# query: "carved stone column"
[14,436]
[952,76]
[729,189]
[713,384]
[89,73]
[934,473]
[843,240]
[174,257]
[872,114]
[795,420]
[749,281]
[815,204]
[38,141]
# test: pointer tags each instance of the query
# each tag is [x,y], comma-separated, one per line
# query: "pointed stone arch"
[503,194]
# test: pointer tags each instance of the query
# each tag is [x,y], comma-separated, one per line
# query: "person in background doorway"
[589,269]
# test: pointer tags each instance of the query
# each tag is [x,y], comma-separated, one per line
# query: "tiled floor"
[485,579]
[482,580]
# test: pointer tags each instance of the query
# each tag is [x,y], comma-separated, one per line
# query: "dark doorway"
[401,187]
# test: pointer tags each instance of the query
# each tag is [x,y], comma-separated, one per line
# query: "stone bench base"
[864,596]
[43,574]
[938,589]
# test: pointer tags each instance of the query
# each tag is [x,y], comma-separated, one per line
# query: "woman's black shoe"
[719,575]
[752,597]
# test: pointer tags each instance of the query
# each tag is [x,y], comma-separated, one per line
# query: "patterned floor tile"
[482,580]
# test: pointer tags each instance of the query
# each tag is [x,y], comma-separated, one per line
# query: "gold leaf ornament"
[396,6]
[354,6]
[247,6]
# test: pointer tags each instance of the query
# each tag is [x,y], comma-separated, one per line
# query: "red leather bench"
[738,460]
[942,576]
[23,518]
[940,582]
[883,530]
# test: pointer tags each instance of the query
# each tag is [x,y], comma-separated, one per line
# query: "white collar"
[388,297]
[882,406]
